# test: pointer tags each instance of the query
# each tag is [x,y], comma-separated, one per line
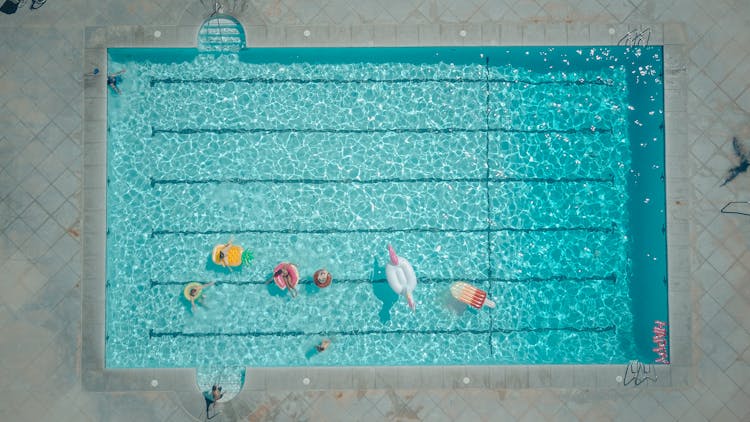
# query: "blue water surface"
[509,168]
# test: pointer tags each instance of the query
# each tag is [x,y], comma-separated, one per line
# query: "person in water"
[195,293]
[323,278]
[113,79]
[323,345]
[283,273]
[224,252]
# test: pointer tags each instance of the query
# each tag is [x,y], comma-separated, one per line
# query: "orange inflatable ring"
[325,282]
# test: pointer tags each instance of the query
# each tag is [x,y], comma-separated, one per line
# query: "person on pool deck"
[284,274]
[113,79]
[323,345]
[216,392]
[195,292]
[214,397]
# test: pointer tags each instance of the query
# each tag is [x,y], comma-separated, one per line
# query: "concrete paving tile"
[721,260]
[429,34]
[556,34]
[721,291]
[725,62]
[407,35]
[739,339]
[645,405]
[295,405]
[16,296]
[451,34]
[33,280]
[708,405]
[68,183]
[384,35]
[65,247]
[421,404]
[386,402]
[511,34]
[490,33]
[7,182]
[359,407]
[546,404]
[50,199]
[67,216]
[68,121]
[15,267]
[733,84]
[739,405]
[577,33]
[744,100]
[453,405]
[516,377]
[534,34]
[340,35]
[727,415]
[362,36]
[340,13]
[436,414]
[717,381]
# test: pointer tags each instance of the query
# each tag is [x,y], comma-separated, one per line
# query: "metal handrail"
[636,38]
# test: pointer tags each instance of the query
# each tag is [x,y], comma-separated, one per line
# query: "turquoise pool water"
[535,174]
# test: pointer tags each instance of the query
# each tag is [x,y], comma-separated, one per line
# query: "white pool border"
[681,371]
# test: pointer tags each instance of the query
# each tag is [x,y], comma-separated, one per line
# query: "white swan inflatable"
[401,277]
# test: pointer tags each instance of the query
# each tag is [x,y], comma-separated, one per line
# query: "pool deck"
[52,181]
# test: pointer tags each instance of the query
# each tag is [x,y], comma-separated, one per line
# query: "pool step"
[221,34]
[230,379]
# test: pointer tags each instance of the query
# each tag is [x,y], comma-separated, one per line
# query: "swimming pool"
[535,174]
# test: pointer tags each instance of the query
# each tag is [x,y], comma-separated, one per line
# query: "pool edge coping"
[681,371]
